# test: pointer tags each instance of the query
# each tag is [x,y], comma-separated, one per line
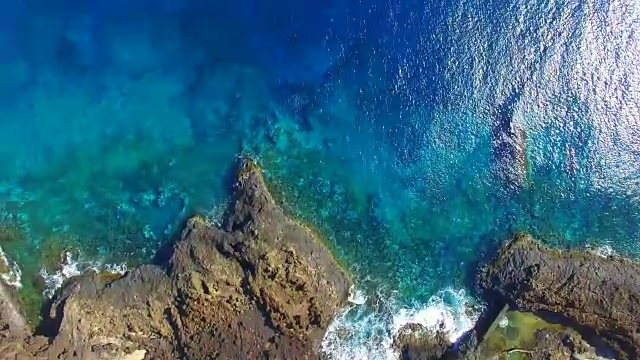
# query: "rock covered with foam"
[380,328]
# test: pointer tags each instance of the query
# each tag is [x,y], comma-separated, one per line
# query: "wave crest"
[72,265]
[366,328]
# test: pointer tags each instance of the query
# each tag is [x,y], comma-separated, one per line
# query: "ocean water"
[415,136]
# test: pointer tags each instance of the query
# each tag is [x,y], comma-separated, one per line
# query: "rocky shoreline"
[263,286]
[544,303]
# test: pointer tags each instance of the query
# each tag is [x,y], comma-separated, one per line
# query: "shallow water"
[415,136]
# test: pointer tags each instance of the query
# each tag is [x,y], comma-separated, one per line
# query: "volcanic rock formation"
[598,296]
[415,342]
[260,287]
[545,304]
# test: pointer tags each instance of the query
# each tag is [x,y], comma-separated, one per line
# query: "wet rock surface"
[262,286]
[415,342]
[509,141]
[526,336]
[559,345]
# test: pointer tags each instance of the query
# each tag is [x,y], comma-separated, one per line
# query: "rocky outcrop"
[15,339]
[415,342]
[598,296]
[274,285]
[509,142]
[546,304]
[262,286]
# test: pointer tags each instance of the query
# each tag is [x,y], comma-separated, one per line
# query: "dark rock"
[509,142]
[415,342]
[590,293]
[98,320]
[261,287]
[464,349]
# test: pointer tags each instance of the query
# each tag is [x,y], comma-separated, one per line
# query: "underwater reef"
[262,286]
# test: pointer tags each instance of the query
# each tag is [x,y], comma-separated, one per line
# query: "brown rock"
[415,342]
[261,287]
[593,294]
[12,327]
[11,317]
[16,342]
[101,320]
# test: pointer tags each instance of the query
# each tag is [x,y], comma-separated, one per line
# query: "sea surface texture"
[415,136]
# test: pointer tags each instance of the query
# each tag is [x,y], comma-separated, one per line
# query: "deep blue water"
[392,127]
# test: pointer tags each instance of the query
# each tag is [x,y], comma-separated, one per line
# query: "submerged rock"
[261,287]
[597,296]
[525,335]
[560,345]
[509,142]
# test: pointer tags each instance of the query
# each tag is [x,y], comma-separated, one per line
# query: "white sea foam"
[449,310]
[71,266]
[115,268]
[357,297]
[13,277]
[604,251]
[361,333]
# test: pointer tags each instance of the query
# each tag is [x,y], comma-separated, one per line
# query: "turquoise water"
[397,130]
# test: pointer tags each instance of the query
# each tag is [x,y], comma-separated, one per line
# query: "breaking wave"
[366,328]
[73,265]
[604,251]
[10,271]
